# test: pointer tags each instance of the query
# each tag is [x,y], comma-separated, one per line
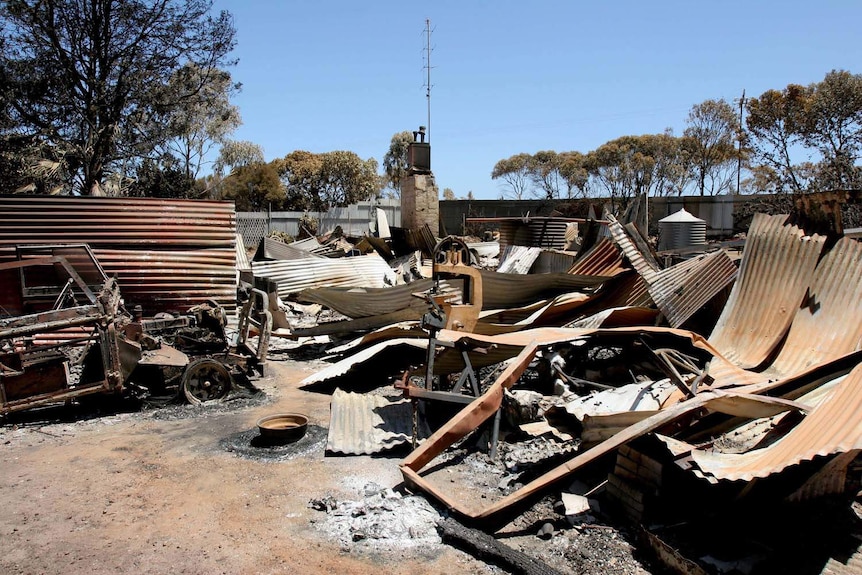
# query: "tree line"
[133,97]
[795,140]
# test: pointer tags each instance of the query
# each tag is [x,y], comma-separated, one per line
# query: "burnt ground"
[183,489]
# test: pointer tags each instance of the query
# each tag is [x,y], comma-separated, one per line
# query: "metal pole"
[428,71]
[739,153]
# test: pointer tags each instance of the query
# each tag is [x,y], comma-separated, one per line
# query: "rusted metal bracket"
[667,361]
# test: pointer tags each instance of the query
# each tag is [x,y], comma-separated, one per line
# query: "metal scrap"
[777,265]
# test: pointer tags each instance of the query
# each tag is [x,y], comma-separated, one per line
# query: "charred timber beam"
[484,547]
[49,321]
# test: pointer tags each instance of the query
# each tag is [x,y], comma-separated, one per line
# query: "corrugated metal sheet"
[166,254]
[367,302]
[625,290]
[498,292]
[116,221]
[829,324]
[832,427]
[681,290]
[242,261]
[777,264]
[843,565]
[517,259]
[307,244]
[512,290]
[554,262]
[272,249]
[541,232]
[173,280]
[485,249]
[345,365]
[617,317]
[293,276]
[603,259]
[643,266]
[362,424]
[544,312]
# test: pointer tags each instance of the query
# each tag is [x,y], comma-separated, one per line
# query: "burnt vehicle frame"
[65,334]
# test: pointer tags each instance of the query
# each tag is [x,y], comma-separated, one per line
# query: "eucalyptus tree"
[711,133]
[92,77]
[395,161]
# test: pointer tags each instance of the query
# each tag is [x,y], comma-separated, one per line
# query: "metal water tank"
[681,230]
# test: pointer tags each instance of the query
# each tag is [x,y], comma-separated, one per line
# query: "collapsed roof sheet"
[679,291]
[294,276]
[517,259]
[832,427]
[777,264]
[603,259]
[512,290]
[273,249]
[365,424]
[829,324]
[641,261]
[356,302]
[847,436]
[498,292]
[342,367]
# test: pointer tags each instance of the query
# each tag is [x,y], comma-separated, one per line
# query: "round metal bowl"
[283,426]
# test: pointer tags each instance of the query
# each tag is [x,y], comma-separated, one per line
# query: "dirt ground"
[167,491]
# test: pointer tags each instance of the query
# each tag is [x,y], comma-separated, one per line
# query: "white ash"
[381,518]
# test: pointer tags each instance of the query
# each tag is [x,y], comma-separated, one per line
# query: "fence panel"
[353,219]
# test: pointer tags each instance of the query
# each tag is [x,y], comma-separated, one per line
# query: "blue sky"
[511,77]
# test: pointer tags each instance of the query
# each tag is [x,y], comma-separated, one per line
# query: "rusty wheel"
[205,380]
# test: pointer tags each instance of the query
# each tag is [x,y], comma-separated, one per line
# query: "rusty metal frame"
[99,314]
[748,401]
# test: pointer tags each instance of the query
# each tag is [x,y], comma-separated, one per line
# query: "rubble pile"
[629,386]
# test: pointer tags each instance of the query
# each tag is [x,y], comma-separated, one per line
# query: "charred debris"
[716,381]
[685,391]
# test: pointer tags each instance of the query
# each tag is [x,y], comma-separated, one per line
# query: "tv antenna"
[427,67]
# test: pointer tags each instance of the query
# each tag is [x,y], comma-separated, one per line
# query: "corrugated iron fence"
[166,254]
[353,219]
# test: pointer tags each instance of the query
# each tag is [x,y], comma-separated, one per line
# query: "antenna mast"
[739,152]
[428,72]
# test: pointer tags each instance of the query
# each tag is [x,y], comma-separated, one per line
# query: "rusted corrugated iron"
[511,290]
[681,290]
[643,263]
[777,264]
[540,232]
[357,302]
[116,221]
[499,291]
[173,280]
[829,324]
[603,259]
[166,254]
[554,261]
[832,427]
[617,317]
